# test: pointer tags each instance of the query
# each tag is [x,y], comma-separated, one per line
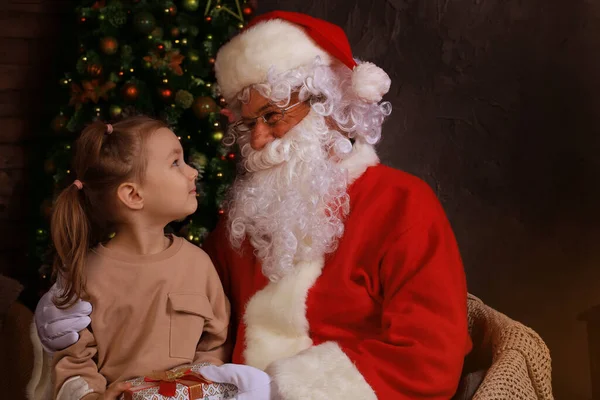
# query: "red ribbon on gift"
[168,380]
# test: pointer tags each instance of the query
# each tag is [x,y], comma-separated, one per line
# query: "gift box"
[182,383]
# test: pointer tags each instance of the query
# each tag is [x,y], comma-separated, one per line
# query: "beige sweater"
[150,313]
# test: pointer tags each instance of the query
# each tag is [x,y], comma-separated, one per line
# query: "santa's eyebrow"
[266,106]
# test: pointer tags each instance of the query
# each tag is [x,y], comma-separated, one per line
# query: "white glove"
[58,328]
[252,383]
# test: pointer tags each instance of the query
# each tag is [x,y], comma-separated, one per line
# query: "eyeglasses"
[270,118]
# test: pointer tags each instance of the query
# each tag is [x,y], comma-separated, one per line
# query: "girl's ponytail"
[70,228]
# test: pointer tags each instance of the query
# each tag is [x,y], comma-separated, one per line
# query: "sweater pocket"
[188,313]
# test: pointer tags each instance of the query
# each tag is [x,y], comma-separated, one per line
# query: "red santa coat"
[384,316]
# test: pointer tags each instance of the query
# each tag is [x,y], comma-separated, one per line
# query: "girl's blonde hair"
[105,157]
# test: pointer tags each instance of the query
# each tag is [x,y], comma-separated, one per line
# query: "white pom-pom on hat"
[369,82]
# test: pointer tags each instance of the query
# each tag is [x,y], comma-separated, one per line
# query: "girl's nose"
[193,173]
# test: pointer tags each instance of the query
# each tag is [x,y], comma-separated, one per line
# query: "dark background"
[495,105]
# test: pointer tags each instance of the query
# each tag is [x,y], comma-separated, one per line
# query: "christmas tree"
[152,57]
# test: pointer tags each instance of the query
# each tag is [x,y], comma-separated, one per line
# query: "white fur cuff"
[322,372]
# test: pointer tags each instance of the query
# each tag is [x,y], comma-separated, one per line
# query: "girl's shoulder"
[193,254]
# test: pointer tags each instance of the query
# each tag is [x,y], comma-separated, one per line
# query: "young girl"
[157,299]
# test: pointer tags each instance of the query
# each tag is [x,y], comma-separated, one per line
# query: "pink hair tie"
[109,129]
[78,184]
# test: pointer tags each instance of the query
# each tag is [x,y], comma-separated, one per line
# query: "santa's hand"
[252,383]
[57,328]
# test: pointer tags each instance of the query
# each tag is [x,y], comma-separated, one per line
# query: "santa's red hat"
[287,40]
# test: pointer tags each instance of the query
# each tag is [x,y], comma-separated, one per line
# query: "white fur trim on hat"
[369,82]
[247,58]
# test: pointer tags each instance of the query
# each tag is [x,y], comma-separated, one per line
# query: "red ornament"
[208,18]
[130,92]
[165,93]
[231,156]
[160,47]
[248,10]
[221,212]
[94,70]
[99,4]
[211,60]
[109,45]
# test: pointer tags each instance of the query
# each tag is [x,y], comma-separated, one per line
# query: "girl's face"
[169,187]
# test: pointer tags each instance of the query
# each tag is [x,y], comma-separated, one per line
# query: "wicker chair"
[509,360]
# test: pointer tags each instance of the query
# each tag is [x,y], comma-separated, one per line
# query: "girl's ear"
[130,196]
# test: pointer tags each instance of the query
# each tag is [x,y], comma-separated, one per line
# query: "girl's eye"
[176,163]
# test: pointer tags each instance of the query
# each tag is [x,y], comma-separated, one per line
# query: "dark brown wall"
[495,105]
[29,39]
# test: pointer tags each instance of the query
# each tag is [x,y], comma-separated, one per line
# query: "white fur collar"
[363,156]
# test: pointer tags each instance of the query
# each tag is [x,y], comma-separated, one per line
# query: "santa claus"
[344,276]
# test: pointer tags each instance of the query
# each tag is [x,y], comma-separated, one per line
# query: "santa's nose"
[261,135]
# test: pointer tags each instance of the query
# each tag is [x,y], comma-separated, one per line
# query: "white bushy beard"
[292,201]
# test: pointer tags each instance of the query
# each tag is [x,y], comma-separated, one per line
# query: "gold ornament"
[115,111]
[218,136]
[193,56]
[191,5]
